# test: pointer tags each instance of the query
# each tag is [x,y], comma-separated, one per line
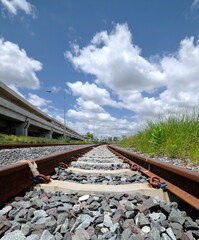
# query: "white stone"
[83,198]
[146,229]
[104,230]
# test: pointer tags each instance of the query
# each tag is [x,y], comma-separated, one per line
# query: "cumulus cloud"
[16,68]
[37,101]
[13,6]
[93,118]
[117,62]
[92,92]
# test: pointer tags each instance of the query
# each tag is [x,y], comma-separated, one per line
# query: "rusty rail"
[16,177]
[181,182]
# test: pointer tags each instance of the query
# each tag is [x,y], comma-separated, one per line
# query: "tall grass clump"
[174,136]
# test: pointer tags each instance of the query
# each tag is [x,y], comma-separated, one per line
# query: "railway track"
[97,192]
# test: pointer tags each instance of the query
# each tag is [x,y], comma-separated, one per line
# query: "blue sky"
[117,62]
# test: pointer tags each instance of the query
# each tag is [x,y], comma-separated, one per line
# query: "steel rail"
[181,182]
[27,145]
[16,177]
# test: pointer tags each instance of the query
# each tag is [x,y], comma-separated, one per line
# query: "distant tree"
[124,137]
[89,136]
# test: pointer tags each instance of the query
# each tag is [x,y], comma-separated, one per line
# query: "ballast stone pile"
[177,162]
[56,216]
[97,167]
[97,178]
[99,155]
[8,156]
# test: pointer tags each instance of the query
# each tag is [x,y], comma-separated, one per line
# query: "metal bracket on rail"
[38,178]
[73,158]
[135,167]
[62,165]
[155,182]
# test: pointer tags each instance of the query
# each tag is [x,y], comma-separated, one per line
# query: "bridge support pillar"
[22,128]
[49,134]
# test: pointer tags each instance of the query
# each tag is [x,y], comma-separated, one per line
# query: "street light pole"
[50,91]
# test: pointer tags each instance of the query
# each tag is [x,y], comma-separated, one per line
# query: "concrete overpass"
[19,117]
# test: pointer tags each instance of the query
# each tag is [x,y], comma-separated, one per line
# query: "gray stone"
[86,221]
[165,237]
[143,220]
[157,217]
[107,221]
[113,203]
[170,233]
[36,203]
[114,227]
[25,229]
[190,225]
[5,210]
[81,234]
[16,235]
[65,198]
[68,206]
[12,214]
[58,236]
[47,235]
[107,235]
[68,236]
[176,216]
[54,199]
[94,206]
[43,221]
[165,207]
[149,203]
[127,223]
[61,218]
[65,225]
[4,225]
[130,214]
[99,219]
[126,234]
[154,234]
[33,237]
[129,206]
[30,214]
[38,214]
[195,234]
[91,231]
[186,236]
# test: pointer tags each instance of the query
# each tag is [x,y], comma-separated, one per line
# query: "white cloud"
[37,101]
[13,6]
[117,62]
[16,68]
[195,4]
[91,92]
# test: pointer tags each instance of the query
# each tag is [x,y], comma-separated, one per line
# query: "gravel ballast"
[57,216]
[8,156]
[98,178]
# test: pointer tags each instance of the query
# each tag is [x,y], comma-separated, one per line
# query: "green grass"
[11,139]
[176,137]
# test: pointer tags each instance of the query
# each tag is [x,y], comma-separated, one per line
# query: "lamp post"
[50,91]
